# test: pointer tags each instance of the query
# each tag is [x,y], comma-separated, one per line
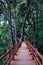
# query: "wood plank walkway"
[23,56]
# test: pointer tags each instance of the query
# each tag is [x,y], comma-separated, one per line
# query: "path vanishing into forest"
[23,56]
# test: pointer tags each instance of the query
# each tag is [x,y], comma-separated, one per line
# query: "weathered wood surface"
[23,56]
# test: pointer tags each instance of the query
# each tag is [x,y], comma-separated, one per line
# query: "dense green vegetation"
[21,17]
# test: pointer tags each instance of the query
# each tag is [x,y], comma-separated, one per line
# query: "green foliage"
[1,51]
[4,37]
[17,9]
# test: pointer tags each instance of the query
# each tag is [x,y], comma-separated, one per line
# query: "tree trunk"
[10,23]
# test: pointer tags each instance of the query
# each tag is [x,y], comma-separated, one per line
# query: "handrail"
[38,58]
[13,50]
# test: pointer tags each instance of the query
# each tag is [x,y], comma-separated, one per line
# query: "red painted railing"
[38,58]
[10,53]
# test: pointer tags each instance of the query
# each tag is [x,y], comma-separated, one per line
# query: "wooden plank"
[23,57]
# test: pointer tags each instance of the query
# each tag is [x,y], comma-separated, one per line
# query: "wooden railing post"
[42,59]
[32,54]
[13,54]
[8,56]
[13,51]
[36,57]
[37,49]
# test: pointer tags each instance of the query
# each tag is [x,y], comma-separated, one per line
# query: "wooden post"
[42,59]
[37,49]
[13,54]
[32,54]
[8,56]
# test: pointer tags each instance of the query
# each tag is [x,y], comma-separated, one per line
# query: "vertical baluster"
[13,51]
[8,56]
[32,54]
[36,57]
[16,47]
[42,59]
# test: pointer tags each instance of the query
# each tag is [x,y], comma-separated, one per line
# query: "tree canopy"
[21,17]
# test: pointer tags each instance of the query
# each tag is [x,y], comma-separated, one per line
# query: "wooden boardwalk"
[23,57]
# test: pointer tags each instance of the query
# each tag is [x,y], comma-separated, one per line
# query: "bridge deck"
[23,57]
